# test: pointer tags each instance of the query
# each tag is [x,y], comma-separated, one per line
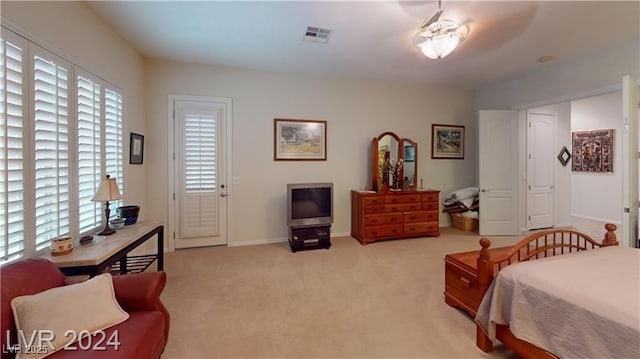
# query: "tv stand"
[303,238]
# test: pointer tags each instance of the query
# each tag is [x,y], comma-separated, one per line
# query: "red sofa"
[143,335]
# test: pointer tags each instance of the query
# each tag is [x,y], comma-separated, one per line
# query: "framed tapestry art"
[299,140]
[447,141]
[592,151]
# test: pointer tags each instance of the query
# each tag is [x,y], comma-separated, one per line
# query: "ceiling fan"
[438,38]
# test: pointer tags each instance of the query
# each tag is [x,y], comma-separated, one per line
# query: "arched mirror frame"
[375,158]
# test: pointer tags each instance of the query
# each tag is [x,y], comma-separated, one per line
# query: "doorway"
[200,159]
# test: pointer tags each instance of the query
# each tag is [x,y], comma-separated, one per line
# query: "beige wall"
[356,112]
[73,31]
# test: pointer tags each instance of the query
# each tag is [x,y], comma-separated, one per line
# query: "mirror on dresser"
[394,162]
[410,166]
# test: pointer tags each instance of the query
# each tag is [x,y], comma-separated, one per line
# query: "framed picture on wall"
[447,141]
[136,149]
[299,140]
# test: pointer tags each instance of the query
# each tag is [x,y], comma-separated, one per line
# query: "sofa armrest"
[139,291]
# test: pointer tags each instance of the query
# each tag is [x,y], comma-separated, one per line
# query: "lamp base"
[106,231]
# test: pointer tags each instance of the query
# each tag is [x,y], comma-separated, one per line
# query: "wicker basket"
[463,223]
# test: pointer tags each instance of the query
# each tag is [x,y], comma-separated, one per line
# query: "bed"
[562,299]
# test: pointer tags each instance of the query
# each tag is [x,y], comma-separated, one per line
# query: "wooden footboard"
[538,245]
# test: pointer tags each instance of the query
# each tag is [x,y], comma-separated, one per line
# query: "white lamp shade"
[107,191]
[440,46]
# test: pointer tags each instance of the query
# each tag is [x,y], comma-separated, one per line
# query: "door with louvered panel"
[200,193]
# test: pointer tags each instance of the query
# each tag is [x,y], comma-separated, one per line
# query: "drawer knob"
[466,281]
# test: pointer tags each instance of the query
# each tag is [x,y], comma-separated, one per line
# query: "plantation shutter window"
[12,147]
[51,146]
[199,193]
[61,132]
[113,142]
[89,158]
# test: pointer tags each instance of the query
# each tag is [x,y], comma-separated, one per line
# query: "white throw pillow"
[59,315]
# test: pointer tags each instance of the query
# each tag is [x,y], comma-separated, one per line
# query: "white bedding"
[580,305]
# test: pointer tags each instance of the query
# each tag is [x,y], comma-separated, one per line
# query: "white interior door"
[200,214]
[540,176]
[498,163]
[629,229]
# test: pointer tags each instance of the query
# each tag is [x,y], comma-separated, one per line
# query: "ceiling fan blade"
[433,19]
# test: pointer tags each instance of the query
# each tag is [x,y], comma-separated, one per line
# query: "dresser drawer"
[380,219]
[421,228]
[405,198]
[373,209]
[462,286]
[383,231]
[420,216]
[430,205]
[372,201]
[402,207]
[431,197]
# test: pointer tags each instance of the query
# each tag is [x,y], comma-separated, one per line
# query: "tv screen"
[309,204]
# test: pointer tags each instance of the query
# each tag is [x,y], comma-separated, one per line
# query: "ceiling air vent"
[317,34]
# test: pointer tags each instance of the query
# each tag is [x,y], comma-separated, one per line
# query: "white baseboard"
[597,219]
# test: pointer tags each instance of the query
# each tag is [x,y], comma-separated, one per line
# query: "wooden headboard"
[548,243]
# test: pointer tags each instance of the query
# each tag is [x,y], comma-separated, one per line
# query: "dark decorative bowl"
[129,213]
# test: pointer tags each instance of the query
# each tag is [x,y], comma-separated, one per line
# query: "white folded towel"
[461,194]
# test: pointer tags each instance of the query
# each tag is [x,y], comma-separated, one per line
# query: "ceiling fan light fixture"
[439,46]
[439,38]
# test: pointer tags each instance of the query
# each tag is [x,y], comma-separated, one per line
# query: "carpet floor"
[383,300]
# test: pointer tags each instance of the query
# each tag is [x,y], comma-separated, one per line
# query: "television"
[309,204]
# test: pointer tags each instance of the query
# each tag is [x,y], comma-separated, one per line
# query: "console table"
[110,252]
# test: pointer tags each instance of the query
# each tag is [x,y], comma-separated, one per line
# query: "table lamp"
[107,191]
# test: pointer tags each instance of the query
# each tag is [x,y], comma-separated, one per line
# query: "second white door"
[540,175]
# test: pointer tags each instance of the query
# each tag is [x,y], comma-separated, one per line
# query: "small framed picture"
[447,141]
[299,140]
[136,149]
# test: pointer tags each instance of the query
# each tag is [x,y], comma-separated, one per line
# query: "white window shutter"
[12,147]
[199,192]
[89,159]
[51,146]
[113,142]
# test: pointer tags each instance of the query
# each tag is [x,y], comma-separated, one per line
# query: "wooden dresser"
[377,216]
[461,287]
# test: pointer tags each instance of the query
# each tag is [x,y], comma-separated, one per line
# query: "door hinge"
[529,218]
[529,124]
[529,187]
[529,156]
[174,196]
[174,235]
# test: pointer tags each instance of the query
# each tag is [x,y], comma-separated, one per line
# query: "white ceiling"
[373,39]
